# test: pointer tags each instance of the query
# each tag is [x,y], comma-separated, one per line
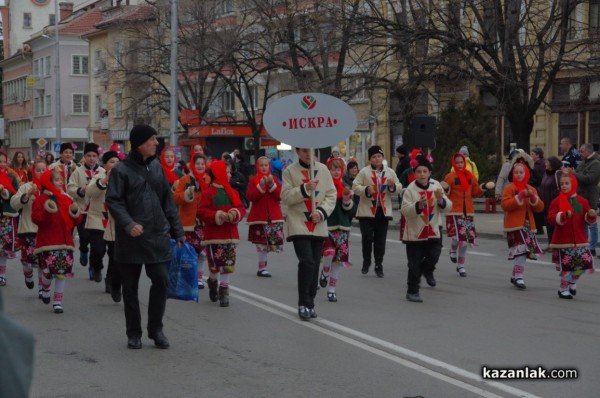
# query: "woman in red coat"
[265,218]
[220,209]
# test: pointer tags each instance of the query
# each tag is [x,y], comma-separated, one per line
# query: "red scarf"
[218,169]
[6,181]
[464,175]
[520,185]
[259,175]
[169,170]
[339,185]
[62,200]
[200,177]
[563,198]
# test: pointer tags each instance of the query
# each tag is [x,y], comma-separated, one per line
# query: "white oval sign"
[310,120]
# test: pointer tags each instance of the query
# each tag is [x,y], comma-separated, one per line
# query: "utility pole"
[174,96]
[57,71]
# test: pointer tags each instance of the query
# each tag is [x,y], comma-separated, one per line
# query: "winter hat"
[139,134]
[108,155]
[464,150]
[422,161]
[90,147]
[375,149]
[64,146]
[402,150]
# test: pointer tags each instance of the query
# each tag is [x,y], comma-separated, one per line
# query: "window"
[27,20]
[595,90]
[37,106]
[228,100]
[14,90]
[51,19]
[567,126]
[37,68]
[356,89]
[98,103]
[575,23]
[79,65]
[118,53]
[251,97]
[594,15]
[81,103]
[47,66]
[118,104]
[224,7]
[47,105]
[594,125]
[99,64]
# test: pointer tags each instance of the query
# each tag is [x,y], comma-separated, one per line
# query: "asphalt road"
[371,343]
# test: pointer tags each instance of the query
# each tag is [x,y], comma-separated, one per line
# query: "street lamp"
[57,71]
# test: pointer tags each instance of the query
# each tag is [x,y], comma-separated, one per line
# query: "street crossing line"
[366,342]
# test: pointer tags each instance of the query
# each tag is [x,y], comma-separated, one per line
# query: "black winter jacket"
[138,193]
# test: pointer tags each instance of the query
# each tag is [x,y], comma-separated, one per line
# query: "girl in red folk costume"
[20,167]
[168,161]
[265,218]
[461,186]
[23,201]
[519,201]
[571,254]
[8,216]
[56,216]
[187,196]
[335,248]
[220,210]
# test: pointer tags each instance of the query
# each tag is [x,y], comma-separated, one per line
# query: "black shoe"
[565,295]
[116,294]
[379,271]
[323,280]
[107,287]
[83,258]
[263,273]
[312,312]
[304,313]
[519,283]
[414,297]
[97,275]
[135,343]
[58,308]
[365,269]
[331,296]
[572,288]
[213,290]
[160,340]
[29,283]
[430,280]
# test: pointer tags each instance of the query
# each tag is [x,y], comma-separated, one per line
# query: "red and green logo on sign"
[308,102]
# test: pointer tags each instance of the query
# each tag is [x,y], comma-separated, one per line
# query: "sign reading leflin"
[310,120]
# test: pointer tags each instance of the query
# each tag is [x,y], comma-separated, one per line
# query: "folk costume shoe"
[213,293]
[565,294]
[519,283]
[223,296]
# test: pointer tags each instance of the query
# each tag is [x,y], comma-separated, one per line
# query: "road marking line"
[284,310]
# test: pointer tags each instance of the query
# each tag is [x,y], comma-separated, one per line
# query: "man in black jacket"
[140,200]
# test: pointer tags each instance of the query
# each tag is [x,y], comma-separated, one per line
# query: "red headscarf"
[520,185]
[200,177]
[6,181]
[218,169]
[463,175]
[563,198]
[339,185]
[259,175]
[169,170]
[62,200]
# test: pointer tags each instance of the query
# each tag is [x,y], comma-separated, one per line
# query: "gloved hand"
[533,197]
[523,194]
[591,213]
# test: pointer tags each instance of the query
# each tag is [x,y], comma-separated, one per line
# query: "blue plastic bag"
[183,273]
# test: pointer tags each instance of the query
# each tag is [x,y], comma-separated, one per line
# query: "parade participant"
[549,190]
[220,210]
[23,201]
[168,161]
[265,217]
[306,226]
[56,215]
[569,212]
[461,187]
[519,201]
[372,185]
[97,187]
[349,177]
[423,205]
[65,163]
[187,197]
[139,198]
[90,229]
[97,219]
[335,249]
[8,215]
[20,167]
[470,165]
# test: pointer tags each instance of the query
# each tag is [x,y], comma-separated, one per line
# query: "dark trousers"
[130,278]
[308,252]
[374,234]
[84,237]
[422,258]
[97,247]
[112,272]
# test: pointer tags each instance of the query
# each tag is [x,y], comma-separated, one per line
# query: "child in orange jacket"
[519,201]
